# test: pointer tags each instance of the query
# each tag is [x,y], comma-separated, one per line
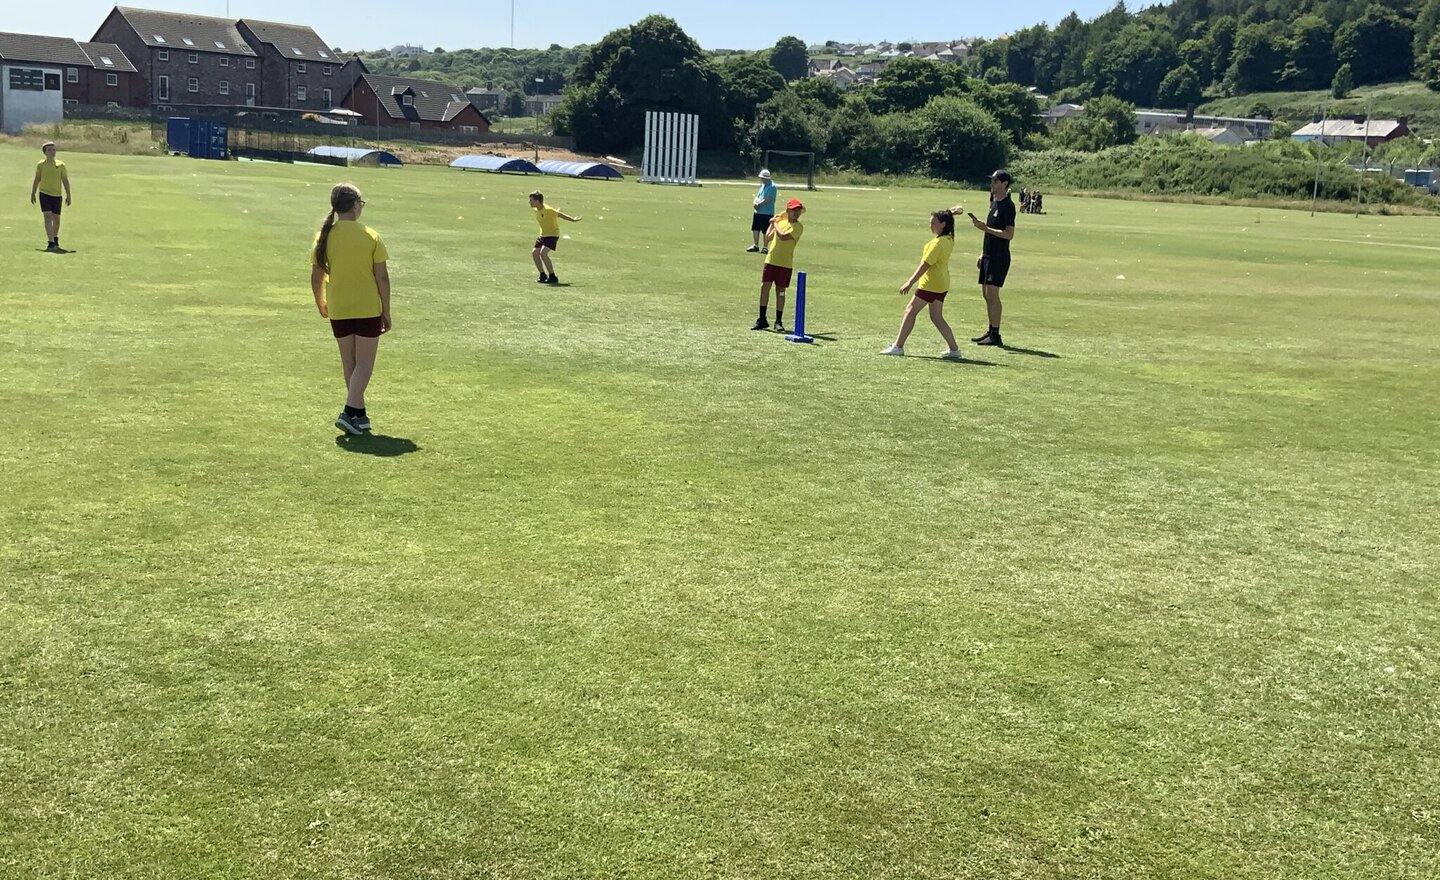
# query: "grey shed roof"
[293,41]
[100,53]
[184,32]
[42,50]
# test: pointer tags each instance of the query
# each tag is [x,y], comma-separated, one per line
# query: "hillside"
[1388,101]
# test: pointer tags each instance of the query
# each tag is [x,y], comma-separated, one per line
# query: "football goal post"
[790,164]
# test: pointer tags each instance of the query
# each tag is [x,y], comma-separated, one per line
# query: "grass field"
[624,589]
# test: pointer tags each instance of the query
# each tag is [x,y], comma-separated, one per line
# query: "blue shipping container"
[198,138]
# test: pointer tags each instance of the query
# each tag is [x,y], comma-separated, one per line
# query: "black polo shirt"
[1002,214]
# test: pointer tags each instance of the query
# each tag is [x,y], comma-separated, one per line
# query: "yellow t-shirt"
[352,251]
[549,221]
[52,177]
[782,252]
[937,264]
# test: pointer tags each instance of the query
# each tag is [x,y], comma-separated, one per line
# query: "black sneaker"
[347,423]
[553,279]
[990,339]
[985,335]
[752,249]
[760,324]
[779,327]
[765,250]
[52,247]
[543,279]
[362,422]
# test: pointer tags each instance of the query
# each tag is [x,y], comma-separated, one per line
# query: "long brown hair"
[947,222]
[344,197]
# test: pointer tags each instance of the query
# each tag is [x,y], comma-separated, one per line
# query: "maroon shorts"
[51,204]
[778,274]
[931,296]
[370,327]
[548,241]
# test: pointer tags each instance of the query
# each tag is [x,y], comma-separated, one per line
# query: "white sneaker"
[895,350]
[952,355]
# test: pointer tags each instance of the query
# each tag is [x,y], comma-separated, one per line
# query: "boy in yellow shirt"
[549,219]
[51,179]
[781,237]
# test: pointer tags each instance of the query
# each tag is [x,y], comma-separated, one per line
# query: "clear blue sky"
[736,24]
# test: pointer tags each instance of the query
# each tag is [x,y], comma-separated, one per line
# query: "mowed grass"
[625,589]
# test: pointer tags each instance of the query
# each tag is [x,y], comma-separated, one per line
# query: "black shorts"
[761,222]
[931,296]
[370,327]
[993,271]
[550,241]
[51,204]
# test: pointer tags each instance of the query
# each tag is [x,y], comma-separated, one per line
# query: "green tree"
[1426,26]
[821,89]
[1428,69]
[790,58]
[958,139]
[749,82]
[1377,46]
[1106,122]
[650,65]
[909,83]
[1012,106]
[788,122]
[1197,55]
[1181,87]
[1343,82]
[1311,62]
[1257,60]
[1221,38]
[1131,66]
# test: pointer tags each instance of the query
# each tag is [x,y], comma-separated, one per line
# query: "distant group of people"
[931,279]
[1032,201]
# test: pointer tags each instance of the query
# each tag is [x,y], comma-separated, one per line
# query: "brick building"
[298,69]
[401,102]
[90,73]
[185,59]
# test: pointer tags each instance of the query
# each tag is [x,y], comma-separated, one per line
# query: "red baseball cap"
[794,203]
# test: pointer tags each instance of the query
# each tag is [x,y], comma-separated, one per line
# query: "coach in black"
[994,262]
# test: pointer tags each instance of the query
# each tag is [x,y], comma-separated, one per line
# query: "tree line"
[1175,55]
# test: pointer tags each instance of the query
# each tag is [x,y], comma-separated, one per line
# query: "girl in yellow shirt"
[933,276]
[352,288]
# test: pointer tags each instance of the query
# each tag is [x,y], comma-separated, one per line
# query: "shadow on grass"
[1030,351]
[53,251]
[378,445]
[963,362]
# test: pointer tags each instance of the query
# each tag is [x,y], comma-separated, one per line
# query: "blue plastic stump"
[799,334]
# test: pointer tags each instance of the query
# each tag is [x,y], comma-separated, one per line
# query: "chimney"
[1404,122]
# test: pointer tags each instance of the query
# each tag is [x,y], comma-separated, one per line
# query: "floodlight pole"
[1364,158]
[1320,142]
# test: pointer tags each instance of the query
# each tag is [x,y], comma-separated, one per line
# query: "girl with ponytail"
[352,288]
[933,278]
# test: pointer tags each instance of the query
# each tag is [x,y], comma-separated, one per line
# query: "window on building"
[72,102]
[250,92]
[300,68]
[224,60]
[72,74]
[470,129]
[249,63]
[407,100]
[323,54]
[52,81]
[219,45]
[327,69]
[414,125]
[194,84]
[193,58]
[158,38]
[112,79]
[329,101]
[224,87]
[162,54]
[187,41]
[300,94]
[297,52]
[105,60]
[162,88]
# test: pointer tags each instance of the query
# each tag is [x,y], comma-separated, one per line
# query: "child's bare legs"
[542,260]
[907,323]
[52,225]
[357,357]
[937,316]
[765,296]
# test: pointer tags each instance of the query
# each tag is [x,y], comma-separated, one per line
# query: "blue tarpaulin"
[580,169]
[355,155]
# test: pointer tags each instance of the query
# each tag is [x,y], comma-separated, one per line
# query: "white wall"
[22,107]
